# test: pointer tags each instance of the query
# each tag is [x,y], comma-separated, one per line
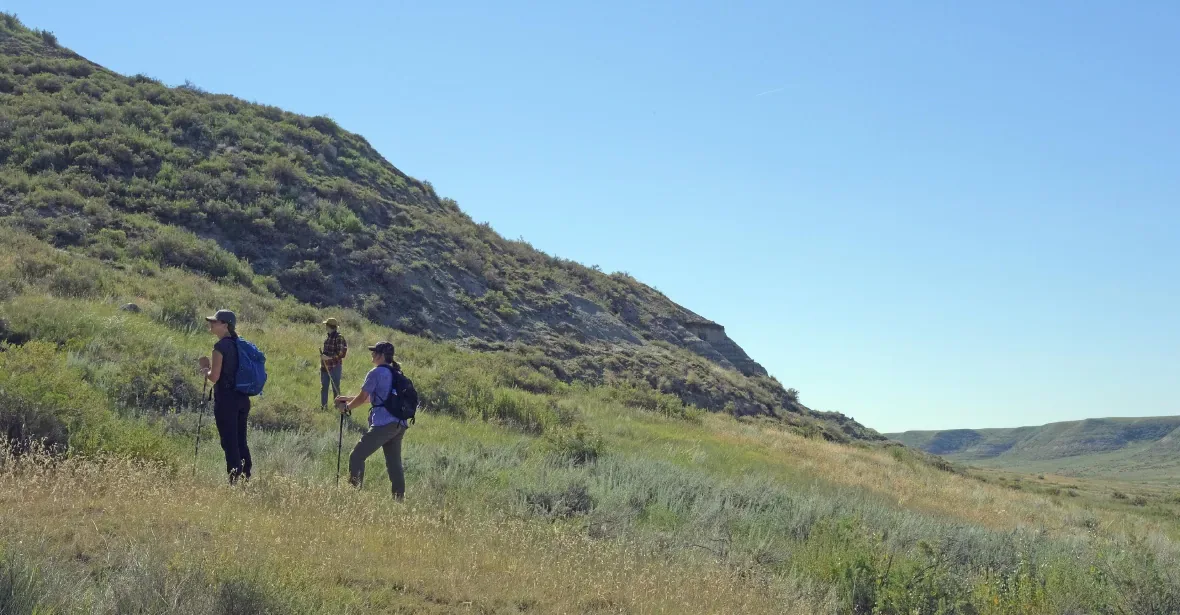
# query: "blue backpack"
[251,374]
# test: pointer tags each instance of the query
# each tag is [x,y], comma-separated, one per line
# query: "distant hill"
[141,175]
[1128,448]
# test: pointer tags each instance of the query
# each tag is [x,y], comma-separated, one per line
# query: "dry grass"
[920,487]
[358,552]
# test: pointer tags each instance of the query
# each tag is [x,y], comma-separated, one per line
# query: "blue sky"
[924,216]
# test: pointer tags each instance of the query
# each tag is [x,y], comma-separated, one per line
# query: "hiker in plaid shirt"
[332,362]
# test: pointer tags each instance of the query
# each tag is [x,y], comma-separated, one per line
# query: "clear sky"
[922,215]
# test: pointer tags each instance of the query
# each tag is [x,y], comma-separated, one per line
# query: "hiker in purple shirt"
[385,429]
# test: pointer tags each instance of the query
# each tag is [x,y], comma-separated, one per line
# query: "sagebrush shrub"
[75,284]
[577,446]
[280,416]
[570,501]
[180,311]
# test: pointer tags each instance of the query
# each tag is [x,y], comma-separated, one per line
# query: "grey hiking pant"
[388,437]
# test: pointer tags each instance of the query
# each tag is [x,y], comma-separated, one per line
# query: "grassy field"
[1133,464]
[526,494]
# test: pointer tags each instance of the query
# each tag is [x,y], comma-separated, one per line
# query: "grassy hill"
[141,175]
[1134,449]
[545,474]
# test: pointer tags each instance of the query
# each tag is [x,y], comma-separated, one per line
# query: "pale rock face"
[712,342]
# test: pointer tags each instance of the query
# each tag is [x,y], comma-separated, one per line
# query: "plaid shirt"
[336,348]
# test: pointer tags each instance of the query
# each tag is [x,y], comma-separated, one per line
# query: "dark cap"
[225,316]
[382,347]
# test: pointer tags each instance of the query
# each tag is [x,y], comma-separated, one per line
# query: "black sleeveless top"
[228,348]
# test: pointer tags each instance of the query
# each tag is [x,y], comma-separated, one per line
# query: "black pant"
[230,412]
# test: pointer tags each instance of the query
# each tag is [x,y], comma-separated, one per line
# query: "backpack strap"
[392,389]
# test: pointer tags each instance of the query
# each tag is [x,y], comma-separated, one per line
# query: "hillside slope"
[1128,448]
[133,172]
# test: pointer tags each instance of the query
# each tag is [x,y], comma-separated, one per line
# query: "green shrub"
[76,283]
[47,399]
[26,423]
[155,384]
[35,267]
[646,398]
[41,399]
[577,446]
[559,503]
[109,244]
[324,124]
[305,280]
[280,415]
[457,393]
[49,38]
[303,314]
[57,199]
[50,84]
[372,306]
[508,313]
[529,412]
[180,311]
[174,247]
[285,171]
[10,288]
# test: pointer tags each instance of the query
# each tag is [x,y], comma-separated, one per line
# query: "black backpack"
[402,401]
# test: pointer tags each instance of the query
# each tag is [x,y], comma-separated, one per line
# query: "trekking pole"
[335,404]
[339,447]
[200,419]
[335,382]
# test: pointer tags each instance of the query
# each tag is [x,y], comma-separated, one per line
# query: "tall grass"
[326,550]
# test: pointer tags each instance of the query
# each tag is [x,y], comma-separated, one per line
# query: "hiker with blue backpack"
[394,404]
[238,372]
